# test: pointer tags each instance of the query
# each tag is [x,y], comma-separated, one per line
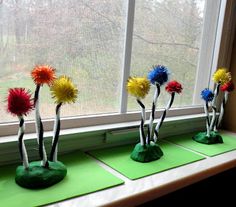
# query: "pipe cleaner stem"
[213,120]
[57,126]
[206,109]
[152,114]
[158,126]
[39,129]
[22,148]
[143,118]
[222,107]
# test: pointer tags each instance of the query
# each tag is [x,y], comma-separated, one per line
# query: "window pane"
[83,39]
[167,32]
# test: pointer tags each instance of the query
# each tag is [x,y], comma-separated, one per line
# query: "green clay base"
[146,153]
[214,138]
[40,177]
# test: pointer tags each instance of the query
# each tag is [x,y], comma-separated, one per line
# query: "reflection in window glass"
[83,39]
[167,32]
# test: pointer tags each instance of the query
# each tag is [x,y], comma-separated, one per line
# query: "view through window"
[168,32]
[85,40]
[82,39]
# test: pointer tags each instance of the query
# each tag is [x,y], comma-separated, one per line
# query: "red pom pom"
[174,86]
[228,87]
[19,101]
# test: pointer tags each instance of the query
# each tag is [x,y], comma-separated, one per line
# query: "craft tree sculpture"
[223,83]
[43,173]
[147,149]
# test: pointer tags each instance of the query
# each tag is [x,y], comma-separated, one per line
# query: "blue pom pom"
[207,95]
[159,74]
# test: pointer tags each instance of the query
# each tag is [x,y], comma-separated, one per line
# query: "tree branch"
[139,36]
[165,43]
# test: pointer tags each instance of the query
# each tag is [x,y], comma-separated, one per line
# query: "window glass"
[167,32]
[82,39]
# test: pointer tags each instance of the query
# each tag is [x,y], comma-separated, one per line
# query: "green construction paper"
[38,176]
[202,137]
[119,159]
[146,153]
[209,150]
[84,176]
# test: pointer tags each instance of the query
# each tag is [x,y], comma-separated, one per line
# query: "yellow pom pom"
[222,76]
[63,90]
[138,86]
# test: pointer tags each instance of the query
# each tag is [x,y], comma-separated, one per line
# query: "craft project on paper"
[47,171]
[223,83]
[147,149]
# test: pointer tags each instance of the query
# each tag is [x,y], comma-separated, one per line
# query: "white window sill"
[93,137]
[136,192]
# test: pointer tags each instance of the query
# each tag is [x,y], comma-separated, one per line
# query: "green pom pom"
[202,137]
[37,176]
[147,153]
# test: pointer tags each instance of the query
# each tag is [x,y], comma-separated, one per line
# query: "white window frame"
[210,45]
[212,29]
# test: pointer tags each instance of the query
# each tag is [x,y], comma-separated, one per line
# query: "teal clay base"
[214,138]
[37,176]
[147,153]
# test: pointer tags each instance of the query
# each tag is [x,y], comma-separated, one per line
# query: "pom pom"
[138,86]
[221,76]
[174,86]
[229,87]
[19,101]
[159,75]
[207,95]
[63,90]
[43,74]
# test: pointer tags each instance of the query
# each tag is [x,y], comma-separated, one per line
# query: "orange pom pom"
[43,74]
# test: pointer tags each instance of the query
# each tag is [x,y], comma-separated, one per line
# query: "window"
[99,44]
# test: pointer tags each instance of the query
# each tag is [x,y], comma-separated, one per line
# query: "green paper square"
[206,149]
[119,159]
[84,176]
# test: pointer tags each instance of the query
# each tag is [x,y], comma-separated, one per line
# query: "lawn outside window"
[100,44]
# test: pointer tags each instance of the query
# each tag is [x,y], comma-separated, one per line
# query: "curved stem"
[213,120]
[141,128]
[158,126]
[39,129]
[22,148]
[206,109]
[222,108]
[152,114]
[57,126]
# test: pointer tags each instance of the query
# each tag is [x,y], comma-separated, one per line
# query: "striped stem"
[206,109]
[39,129]
[22,148]
[57,126]
[152,114]
[222,108]
[158,126]
[213,120]
[141,128]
